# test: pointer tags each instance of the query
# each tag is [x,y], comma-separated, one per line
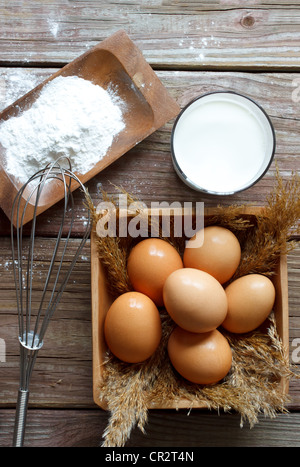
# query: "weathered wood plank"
[84,428]
[173,34]
[194,5]
[196,35]
[64,366]
[147,172]
[63,371]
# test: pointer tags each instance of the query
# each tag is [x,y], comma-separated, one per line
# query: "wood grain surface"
[172,34]
[147,171]
[194,48]
[58,428]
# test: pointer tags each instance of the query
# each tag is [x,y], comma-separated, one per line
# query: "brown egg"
[195,300]
[250,301]
[202,358]
[219,254]
[132,327]
[149,264]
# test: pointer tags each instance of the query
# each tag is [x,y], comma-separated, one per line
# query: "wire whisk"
[34,313]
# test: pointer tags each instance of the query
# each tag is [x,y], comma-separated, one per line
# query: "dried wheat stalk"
[259,360]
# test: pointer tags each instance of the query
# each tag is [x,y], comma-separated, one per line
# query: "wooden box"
[101,301]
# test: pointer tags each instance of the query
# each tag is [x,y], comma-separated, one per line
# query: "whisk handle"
[20,420]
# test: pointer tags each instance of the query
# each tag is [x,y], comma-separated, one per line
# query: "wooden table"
[194,47]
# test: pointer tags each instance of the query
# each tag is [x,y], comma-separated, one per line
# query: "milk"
[222,143]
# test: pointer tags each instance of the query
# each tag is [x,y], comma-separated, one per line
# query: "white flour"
[72,117]
[15,82]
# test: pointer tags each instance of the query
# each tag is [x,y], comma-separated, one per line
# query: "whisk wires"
[33,323]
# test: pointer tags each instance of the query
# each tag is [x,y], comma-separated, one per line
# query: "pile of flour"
[72,117]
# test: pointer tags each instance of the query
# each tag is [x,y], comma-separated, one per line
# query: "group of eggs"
[193,291]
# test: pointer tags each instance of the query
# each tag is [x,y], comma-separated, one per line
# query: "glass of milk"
[222,143]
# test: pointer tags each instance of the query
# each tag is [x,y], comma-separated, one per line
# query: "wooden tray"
[115,61]
[101,301]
